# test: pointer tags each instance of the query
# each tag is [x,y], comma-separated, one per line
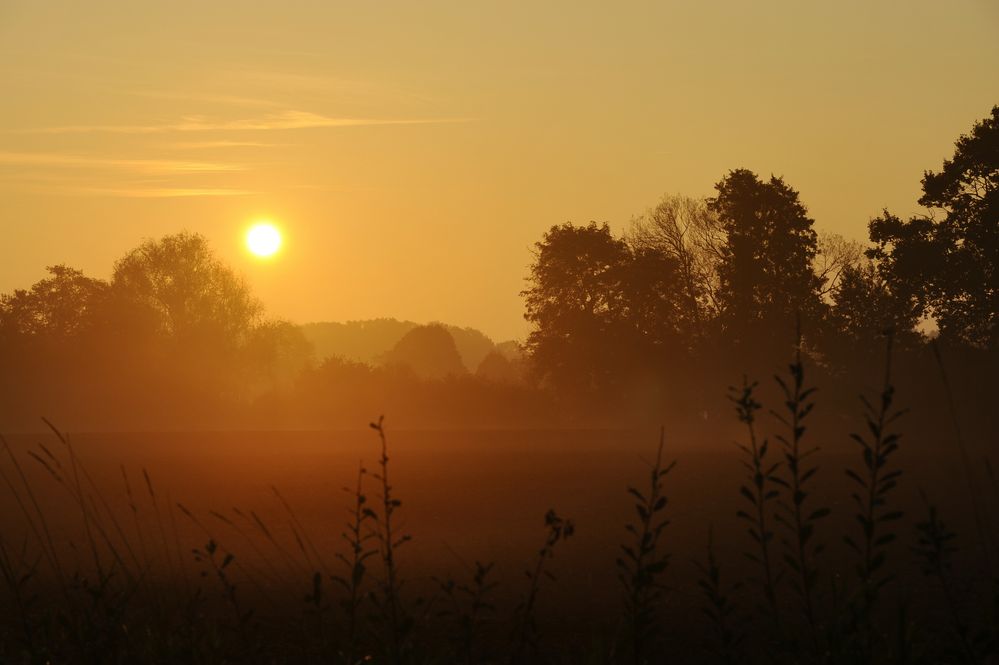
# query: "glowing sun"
[263,239]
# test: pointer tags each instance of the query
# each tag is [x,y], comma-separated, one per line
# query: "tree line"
[173,331]
[694,293]
[742,277]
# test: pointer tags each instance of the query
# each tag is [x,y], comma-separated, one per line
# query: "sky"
[413,152]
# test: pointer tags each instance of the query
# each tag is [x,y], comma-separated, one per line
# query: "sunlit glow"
[263,239]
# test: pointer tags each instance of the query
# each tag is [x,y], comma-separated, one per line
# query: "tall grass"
[396,619]
[526,634]
[467,606]
[643,562]
[352,582]
[875,481]
[796,513]
[760,491]
[726,639]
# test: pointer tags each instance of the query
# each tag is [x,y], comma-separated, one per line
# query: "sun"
[263,239]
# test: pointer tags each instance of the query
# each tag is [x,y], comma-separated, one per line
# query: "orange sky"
[413,152]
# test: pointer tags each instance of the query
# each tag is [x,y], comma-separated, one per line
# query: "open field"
[467,495]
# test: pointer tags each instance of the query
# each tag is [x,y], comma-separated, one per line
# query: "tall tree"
[50,345]
[62,305]
[657,316]
[950,261]
[865,309]
[189,323]
[688,232]
[574,300]
[605,315]
[766,272]
[186,293]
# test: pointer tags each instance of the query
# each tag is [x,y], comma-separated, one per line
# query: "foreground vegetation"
[132,592]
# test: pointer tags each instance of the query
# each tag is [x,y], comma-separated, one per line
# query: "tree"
[51,346]
[60,306]
[185,293]
[190,325]
[834,256]
[606,317]
[687,231]
[575,303]
[766,269]
[657,317]
[865,309]
[277,352]
[429,351]
[949,261]
[498,368]
[175,334]
[907,255]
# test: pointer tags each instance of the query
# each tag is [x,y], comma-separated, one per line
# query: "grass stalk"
[642,563]
[759,492]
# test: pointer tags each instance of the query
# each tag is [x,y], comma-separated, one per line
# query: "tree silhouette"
[865,309]
[499,368]
[575,303]
[276,353]
[658,317]
[835,255]
[766,272]
[609,318]
[429,351]
[950,263]
[687,231]
[186,293]
[173,321]
[62,305]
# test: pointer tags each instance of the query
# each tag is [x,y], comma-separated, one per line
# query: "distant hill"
[371,341]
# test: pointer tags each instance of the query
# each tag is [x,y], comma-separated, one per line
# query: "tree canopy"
[766,273]
[947,260]
[174,330]
[62,305]
[738,274]
[186,292]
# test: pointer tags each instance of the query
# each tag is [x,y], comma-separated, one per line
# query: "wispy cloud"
[162,192]
[207,145]
[59,160]
[205,98]
[275,121]
[48,186]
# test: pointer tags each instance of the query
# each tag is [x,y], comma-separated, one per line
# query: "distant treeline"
[175,339]
[694,292]
[374,342]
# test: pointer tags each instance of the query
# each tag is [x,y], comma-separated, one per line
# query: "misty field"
[276,502]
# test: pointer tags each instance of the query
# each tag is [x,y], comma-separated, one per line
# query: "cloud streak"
[59,160]
[233,100]
[285,120]
[138,190]
[162,192]
[207,145]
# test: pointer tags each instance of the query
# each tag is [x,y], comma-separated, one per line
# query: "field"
[276,502]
